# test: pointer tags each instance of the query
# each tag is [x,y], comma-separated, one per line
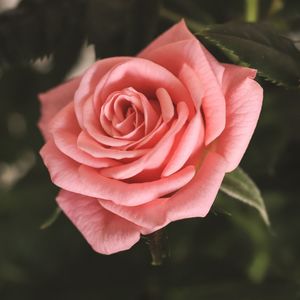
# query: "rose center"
[122,115]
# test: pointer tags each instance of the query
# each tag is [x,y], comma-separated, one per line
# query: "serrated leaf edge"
[230,53]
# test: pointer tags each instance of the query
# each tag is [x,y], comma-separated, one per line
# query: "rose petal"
[91,124]
[132,194]
[148,141]
[150,216]
[145,77]
[189,52]
[127,125]
[177,32]
[243,105]
[191,80]
[201,190]
[65,131]
[90,79]
[180,32]
[150,114]
[53,101]
[166,104]
[141,105]
[81,179]
[87,144]
[155,156]
[190,139]
[107,233]
[193,200]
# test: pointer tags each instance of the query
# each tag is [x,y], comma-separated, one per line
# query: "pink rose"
[138,142]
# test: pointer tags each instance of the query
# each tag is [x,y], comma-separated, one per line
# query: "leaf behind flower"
[240,186]
[258,46]
[51,219]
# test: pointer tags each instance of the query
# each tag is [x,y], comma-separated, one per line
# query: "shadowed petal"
[107,233]
[166,104]
[243,105]
[53,101]
[193,200]
[192,136]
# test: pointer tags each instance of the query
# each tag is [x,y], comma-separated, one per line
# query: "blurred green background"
[230,254]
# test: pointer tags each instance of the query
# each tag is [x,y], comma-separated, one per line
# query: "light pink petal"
[150,115]
[91,124]
[145,77]
[150,216]
[191,80]
[90,80]
[136,134]
[193,200]
[243,105]
[196,198]
[152,138]
[190,52]
[65,131]
[73,177]
[133,194]
[53,101]
[176,33]
[193,135]
[180,32]
[166,104]
[106,232]
[87,144]
[155,156]
[126,125]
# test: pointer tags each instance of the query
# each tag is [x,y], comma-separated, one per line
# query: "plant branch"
[251,10]
[157,246]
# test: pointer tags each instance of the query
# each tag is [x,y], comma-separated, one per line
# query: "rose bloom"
[138,142]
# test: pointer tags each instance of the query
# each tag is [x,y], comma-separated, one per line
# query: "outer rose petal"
[193,200]
[65,131]
[180,32]
[177,32]
[71,176]
[53,101]
[201,190]
[243,104]
[107,233]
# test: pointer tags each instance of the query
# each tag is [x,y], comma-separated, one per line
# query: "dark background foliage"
[230,254]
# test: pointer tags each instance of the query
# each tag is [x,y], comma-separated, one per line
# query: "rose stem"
[251,10]
[157,246]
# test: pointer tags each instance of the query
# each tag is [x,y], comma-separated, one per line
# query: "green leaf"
[240,186]
[259,46]
[51,219]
